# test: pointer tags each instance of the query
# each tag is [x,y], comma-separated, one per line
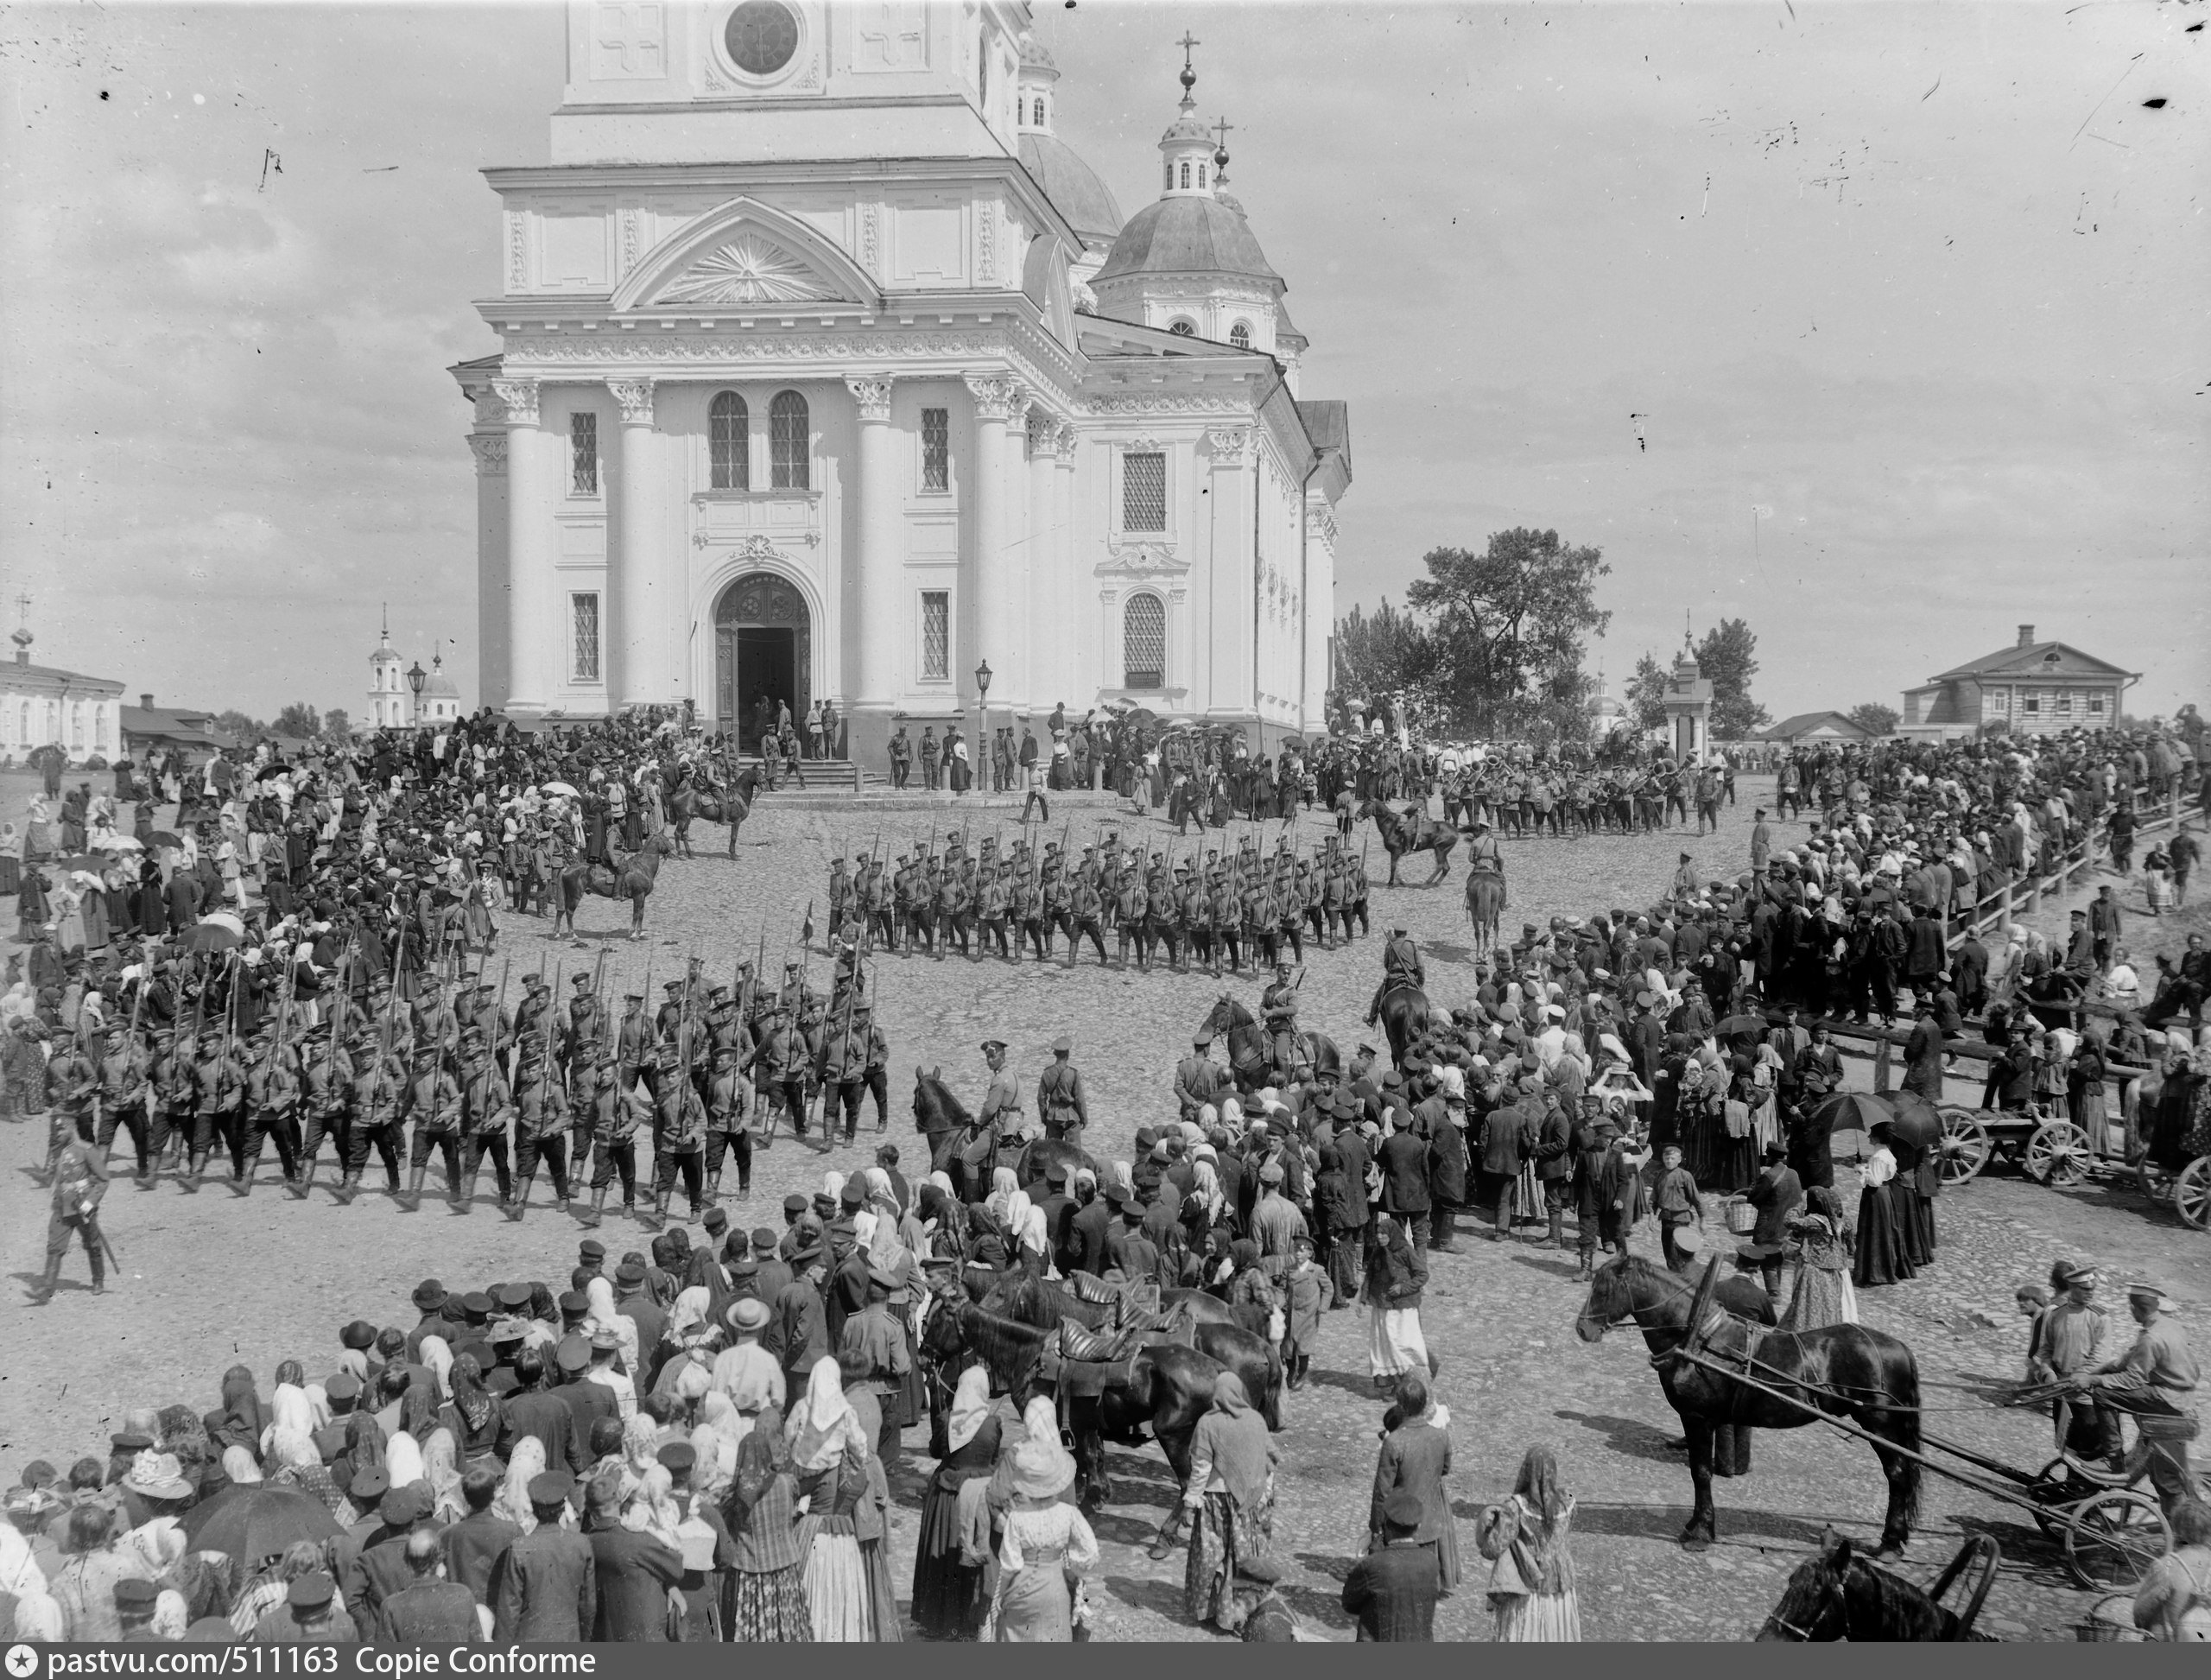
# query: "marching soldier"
[486,1106]
[272,1094]
[729,1124]
[379,1093]
[1084,909]
[841,1066]
[436,1102]
[679,1137]
[781,1061]
[1132,913]
[617,1108]
[992,900]
[1060,1101]
[541,1124]
[124,1090]
[79,1184]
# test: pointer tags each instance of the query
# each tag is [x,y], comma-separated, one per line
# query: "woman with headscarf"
[1395,1278]
[441,1474]
[402,1459]
[512,1500]
[767,1602]
[946,1588]
[1229,1503]
[241,1469]
[1003,1187]
[829,1451]
[242,1418]
[1532,1583]
[1823,1294]
[714,1438]
[943,1219]
[601,1315]
[480,1415]
[289,1408]
[297,1464]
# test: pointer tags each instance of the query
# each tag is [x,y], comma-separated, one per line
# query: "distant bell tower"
[386,684]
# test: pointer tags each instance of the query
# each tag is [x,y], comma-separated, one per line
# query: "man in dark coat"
[1403,1161]
[1447,1168]
[1777,1193]
[635,1571]
[1392,1592]
[532,1409]
[1509,1137]
[544,1587]
[1554,1156]
[428,1610]
[470,1547]
[1090,1229]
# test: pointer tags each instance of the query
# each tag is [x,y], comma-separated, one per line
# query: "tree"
[1726,658]
[336,725]
[1874,717]
[297,719]
[1508,624]
[1389,652]
[240,726]
[1646,694]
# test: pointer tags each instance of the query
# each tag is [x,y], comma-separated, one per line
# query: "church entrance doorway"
[763,657]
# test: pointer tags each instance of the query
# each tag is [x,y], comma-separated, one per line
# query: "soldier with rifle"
[80,1182]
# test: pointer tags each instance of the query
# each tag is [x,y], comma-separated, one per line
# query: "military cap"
[344,1386]
[370,1484]
[573,1354]
[591,1250]
[551,1488]
[477,1306]
[135,1598]
[1062,1044]
[629,1274]
[796,1202]
[514,1296]
[311,1591]
[677,1457]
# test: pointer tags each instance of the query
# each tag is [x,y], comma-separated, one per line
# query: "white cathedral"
[829,371]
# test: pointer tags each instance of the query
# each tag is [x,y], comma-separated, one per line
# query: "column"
[879,568]
[1021,558]
[1044,667]
[989,587]
[1075,597]
[534,633]
[488,442]
[636,637]
[1232,586]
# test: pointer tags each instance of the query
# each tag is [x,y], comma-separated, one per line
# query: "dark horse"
[1404,1017]
[1258,1058]
[966,1153]
[1411,831]
[632,878]
[1836,1595]
[1838,1370]
[1165,1388]
[1485,902]
[1042,1303]
[691,798]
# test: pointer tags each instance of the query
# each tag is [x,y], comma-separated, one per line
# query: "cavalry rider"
[1483,857]
[1279,1013]
[1401,966]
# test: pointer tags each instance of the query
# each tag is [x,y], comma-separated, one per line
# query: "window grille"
[787,440]
[936,450]
[584,610]
[583,454]
[937,635]
[1144,492]
[728,442]
[1143,643]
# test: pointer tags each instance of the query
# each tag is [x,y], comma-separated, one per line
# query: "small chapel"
[827,371]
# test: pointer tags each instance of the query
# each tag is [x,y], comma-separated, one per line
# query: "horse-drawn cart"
[2051,1150]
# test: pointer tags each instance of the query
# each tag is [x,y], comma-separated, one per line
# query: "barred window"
[1240,335]
[1183,328]
[583,454]
[788,439]
[1144,492]
[936,450]
[583,611]
[729,436]
[1143,643]
[937,635]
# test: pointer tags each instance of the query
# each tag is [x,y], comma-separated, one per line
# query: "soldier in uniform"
[952,919]
[79,1184]
[842,1064]
[272,1094]
[1225,912]
[1060,1104]
[1401,966]
[729,1124]
[901,757]
[1084,916]
[541,1122]
[436,1103]
[486,1106]
[997,1123]
[993,900]
[929,757]
[679,1137]
[781,1061]
[1058,903]
[1132,919]
[379,1090]
[618,1107]
[125,1089]
[1279,1013]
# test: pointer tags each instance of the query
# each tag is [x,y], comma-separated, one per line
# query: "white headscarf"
[824,1422]
[970,1406]
[402,1459]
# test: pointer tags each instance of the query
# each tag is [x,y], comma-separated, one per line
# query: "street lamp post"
[983,705]
[416,676]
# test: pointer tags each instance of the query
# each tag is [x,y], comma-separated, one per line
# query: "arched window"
[76,728]
[1201,175]
[787,441]
[1170,173]
[1184,327]
[1038,117]
[729,442]
[1240,335]
[24,723]
[1143,643]
[1186,175]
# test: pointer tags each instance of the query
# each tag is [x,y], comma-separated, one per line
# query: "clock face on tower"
[761,36]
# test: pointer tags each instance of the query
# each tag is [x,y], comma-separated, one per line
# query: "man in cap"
[1401,967]
[2069,1345]
[79,1184]
[309,1614]
[2156,1379]
[729,1124]
[1391,1592]
[635,1569]
[544,1587]
[133,1608]
[1198,1079]
[678,1136]
[1060,1101]
[428,1609]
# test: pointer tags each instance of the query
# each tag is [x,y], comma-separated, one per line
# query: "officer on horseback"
[1401,967]
[1483,855]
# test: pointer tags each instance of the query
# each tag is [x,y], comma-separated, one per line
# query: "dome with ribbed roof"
[438,685]
[1076,189]
[1187,235]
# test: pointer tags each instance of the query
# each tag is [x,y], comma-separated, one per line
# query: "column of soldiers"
[544,1086]
[1243,909]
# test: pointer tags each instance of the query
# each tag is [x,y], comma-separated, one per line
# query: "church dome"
[1185,235]
[1073,188]
[438,685]
[1035,54]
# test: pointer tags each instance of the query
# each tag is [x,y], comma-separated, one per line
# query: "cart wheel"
[2055,1487]
[1965,1146]
[2058,1153]
[2192,1194]
[2114,1539]
[2157,1184]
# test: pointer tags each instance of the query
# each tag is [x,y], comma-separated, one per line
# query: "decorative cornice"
[872,392]
[1065,436]
[635,398]
[1227,444]
[519,397]
[1320,524]
[996,395]
[755,547]
[1142,560]
[1163,404]
[490,449]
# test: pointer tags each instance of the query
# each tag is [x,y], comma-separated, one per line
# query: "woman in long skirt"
[1046,1540]
[1531,1586]
[945,1588]
[1881,1257]
[829,1454]
[1229,1503]
[766,1584]
[1823,1294]
[1395,1277]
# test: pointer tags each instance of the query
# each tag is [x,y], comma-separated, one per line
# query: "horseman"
[1483,855]
[1401,968]
[1278,1012]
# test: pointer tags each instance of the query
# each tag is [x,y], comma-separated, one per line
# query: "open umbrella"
[162,837]
[82,861]
[113,842]
[249,1521]
[1735,1023]
[1853,1111]
[1917,1121]
[561,788]
[212,936]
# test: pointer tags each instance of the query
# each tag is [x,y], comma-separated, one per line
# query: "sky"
[1882,327]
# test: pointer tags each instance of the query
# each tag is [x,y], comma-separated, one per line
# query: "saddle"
[1089,1362]
[1086,1286]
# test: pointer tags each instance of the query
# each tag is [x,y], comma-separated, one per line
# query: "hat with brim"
[2138,1288]
[747,1316]
[158,1476]
[1041,1469]
[2070,1272]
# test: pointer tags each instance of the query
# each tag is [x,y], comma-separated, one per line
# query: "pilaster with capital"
[646,580]
[871,395]
[635,399]
[491,452]
[880,563]
[517,400]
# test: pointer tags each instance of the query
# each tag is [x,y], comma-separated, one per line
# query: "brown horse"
[1409,832]
[1485,903]
[1838,1370]
[632,878]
